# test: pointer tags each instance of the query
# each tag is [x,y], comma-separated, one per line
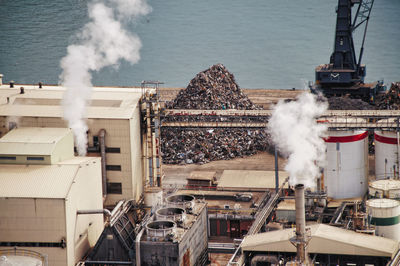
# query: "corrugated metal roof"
[40,181]
[325,239]
[250,179]
[108,102]
[32,140]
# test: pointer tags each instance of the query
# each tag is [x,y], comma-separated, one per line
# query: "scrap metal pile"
[387,101]
[345,103]
[202,145]
[391,99]
[212,89]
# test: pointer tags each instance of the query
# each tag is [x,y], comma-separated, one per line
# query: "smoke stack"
[300,239]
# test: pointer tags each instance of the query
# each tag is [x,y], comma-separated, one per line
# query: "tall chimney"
[300,240]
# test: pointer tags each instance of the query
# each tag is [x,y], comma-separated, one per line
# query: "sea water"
[265,43]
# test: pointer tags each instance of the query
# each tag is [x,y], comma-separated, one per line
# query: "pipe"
[300,223]
[157,129]
[102,140]
[276,171]
[106,212]
[137,243]
[95,211]
[398,150]
[149,140]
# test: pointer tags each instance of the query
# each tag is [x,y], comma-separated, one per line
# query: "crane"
[344,75]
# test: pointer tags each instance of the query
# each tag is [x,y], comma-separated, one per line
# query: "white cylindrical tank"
[346,172]
[386,155]
[385,215]
[385,188]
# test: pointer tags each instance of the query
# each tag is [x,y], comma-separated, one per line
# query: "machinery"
[344,75]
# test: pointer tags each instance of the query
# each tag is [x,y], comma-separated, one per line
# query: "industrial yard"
[210,174]
[234,208]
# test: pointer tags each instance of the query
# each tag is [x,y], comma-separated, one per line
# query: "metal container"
[160,229]
[171,214]
[181,201]
[386,188]
[385,215]
[386,155]
[346,172]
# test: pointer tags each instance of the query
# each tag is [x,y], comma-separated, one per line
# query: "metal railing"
[237,257]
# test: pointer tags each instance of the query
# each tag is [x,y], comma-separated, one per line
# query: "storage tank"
[386,188]
[385,215]
[171,214]
[346,172]
[386,155]
[159,230]
[181,201]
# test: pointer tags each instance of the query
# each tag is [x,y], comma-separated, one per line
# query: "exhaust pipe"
[102,138]
[300,240]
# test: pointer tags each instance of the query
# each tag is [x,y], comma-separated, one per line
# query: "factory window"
[114,188]
[95,140]
[113,150]
[113,167]
[8,158]
[35,158]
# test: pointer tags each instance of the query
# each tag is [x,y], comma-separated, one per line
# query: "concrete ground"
[175,175]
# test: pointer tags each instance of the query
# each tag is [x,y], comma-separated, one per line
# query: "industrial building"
[328,245]
[113,117]
[44,193]
[175,234]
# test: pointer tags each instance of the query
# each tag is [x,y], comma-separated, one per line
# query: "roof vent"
[1,79]
[12,82]
[172,214]
[160,229]
[181,201]
[21,90]
[40,85]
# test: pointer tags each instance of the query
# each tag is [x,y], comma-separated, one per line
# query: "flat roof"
[32,140]
[325,239]
[250,179]
[202,175]
[106,102]
[40,181]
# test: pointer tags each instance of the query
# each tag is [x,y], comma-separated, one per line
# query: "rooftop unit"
[171,236]
[35,145]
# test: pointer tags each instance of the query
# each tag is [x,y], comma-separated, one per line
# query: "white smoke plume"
[102,42]
[298,136]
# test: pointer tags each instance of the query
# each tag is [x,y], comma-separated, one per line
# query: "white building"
[114,109]
[42,187]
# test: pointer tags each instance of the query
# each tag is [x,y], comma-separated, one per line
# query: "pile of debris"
[346,103]
[212,89]
[202,145]
[391,99]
